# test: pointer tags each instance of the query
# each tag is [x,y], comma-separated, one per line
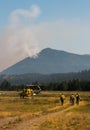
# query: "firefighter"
[72,99]
[62,98]
[77,98]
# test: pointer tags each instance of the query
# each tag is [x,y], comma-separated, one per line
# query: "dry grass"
[67,121]
[77,118]
[74,119]
[14,106]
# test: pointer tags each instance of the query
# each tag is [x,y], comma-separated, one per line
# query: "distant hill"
[50,61]
[44,78]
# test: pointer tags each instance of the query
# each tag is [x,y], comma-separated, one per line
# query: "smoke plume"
[17,41]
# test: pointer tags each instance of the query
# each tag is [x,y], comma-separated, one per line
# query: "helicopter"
[30,90]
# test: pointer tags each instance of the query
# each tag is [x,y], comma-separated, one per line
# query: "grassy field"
[78,118]
[12,105]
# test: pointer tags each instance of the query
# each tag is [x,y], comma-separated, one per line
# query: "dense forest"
[64,82]
[29,78]
[72,85]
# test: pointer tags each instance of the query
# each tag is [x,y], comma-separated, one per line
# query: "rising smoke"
[17,40]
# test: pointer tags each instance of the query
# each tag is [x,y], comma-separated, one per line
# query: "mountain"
[50,61]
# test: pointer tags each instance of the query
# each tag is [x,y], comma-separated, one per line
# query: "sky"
[28,26]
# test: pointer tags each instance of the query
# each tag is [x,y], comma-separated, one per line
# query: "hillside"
[42,78]
[50,61]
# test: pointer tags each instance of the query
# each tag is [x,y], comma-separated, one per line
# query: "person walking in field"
[72,99]
[77,98]
[62,98]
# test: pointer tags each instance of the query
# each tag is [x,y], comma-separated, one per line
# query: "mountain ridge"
[49,61]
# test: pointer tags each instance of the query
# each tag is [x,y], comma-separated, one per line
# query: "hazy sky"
[28,26]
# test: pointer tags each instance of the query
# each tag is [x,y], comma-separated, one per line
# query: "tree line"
[71,85]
